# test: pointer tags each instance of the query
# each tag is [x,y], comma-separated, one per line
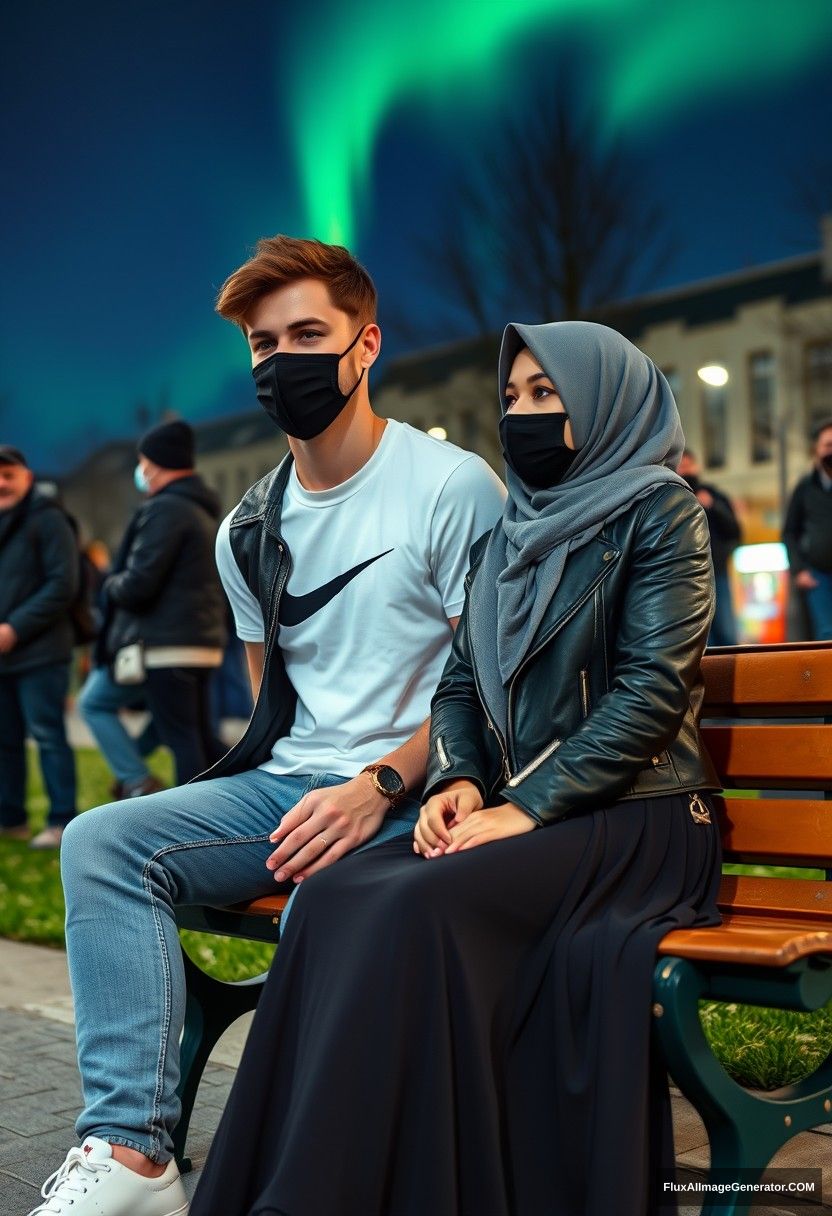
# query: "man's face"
[301,319]
[15,483]
[823,445]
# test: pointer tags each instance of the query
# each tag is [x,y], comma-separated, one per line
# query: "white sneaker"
[92,1183]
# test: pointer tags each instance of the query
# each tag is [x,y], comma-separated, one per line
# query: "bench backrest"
[767,724]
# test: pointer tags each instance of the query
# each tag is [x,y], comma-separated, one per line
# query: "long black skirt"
[469,1035]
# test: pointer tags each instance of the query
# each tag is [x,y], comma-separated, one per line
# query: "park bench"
[767,724]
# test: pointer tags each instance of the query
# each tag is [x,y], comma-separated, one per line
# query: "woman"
[466,1031]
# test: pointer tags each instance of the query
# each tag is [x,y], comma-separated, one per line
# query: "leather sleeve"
[655,657]
[155,547]
[58,552]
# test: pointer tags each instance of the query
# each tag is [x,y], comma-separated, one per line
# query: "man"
[164,597]
[725,536]
[38,583]
[345,567]
[807,534]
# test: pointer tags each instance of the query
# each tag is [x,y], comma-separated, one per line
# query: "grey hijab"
[629,439]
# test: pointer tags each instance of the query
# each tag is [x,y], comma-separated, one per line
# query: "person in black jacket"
[164,610]
[38,584]
[486,987]
[807,534]
[725,536]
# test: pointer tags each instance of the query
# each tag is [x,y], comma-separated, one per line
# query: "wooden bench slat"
[770,682]
[267,905]
[771,757]
[781,831]
[791,898]
[749,940]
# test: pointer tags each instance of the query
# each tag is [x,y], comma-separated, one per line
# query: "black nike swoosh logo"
[295,609]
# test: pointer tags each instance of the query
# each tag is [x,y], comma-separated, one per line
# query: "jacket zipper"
[534,764]
[492,726]
[585,692]
[444,761]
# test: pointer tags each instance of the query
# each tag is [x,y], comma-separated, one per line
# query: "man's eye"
[262,344]
[310,333]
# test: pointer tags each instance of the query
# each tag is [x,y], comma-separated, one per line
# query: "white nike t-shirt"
[378,567]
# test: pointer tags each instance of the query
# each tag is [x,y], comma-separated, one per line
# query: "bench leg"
[745,1130]
[212,1006]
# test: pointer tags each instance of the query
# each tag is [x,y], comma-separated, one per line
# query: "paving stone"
[49,1148]
[38,1074]
[688,1129]
[29,1115]
[16,1197]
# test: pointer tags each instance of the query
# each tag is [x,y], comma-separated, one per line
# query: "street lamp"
[713,374]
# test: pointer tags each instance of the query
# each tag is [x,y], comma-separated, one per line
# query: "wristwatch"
[388,783]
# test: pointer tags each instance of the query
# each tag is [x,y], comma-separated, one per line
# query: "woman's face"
[531,391]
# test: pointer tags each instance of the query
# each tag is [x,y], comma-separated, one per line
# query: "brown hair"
[279,260]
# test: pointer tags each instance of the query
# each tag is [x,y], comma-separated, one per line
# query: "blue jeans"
[100,700]
[819,603]
[125,867]
[32,702]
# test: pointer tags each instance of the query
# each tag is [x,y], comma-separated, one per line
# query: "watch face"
[389,780]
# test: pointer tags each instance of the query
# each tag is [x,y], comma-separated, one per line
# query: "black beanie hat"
[10,455]
[170,445]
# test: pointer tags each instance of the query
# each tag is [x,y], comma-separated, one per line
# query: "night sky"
[147,146]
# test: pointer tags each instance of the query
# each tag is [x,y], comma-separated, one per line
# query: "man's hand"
[8,639]
[804,579]
[325,825]
[451,806]
[491,823]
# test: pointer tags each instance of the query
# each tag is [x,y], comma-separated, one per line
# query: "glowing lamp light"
[438,432]
[714,374]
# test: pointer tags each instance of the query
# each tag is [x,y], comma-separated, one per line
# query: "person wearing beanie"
[164,619]
[38,584]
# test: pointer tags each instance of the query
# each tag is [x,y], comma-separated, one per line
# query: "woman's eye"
[508,401]
[542,391]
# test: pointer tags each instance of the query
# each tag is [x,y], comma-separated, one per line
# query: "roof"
[794,281]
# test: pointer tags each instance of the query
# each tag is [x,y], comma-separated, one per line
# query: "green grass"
[762,1048]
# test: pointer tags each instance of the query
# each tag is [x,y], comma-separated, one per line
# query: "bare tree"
[551,222]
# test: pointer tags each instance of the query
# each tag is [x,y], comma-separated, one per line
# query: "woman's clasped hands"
[455,819]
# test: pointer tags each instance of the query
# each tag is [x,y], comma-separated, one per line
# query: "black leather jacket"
[265,562]
[165,589]
[606,704]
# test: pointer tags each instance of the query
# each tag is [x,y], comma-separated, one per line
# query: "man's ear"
[370,345]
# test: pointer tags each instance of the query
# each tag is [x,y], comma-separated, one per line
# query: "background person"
[725,535]
[38,585]
[807,534]
[489,998]
[164,594]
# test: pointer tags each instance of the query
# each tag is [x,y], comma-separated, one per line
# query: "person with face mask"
[163,624]
[483,991]
[345,571]
[807,534]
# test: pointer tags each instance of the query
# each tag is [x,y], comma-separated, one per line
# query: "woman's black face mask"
[301,392]
[535,448]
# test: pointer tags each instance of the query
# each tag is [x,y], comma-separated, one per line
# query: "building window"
[715,425]
[761,399]
[818,369]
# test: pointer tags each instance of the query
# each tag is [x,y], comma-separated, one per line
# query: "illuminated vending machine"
[760,592]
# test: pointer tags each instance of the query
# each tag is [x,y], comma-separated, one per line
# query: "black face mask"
[826,463]
[301,392]
[535,448]
[693,481]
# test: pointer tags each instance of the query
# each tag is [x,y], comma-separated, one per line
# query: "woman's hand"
[490,823]
[450,807]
